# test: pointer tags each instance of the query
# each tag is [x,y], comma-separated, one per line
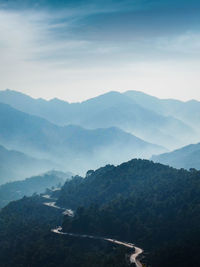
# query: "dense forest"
[151,205]
[107,183]
[26,240]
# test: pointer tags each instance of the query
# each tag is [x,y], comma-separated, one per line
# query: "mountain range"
[187,112]
[15,165]
[149,118]
[107,129]
[138,202]
[69,147]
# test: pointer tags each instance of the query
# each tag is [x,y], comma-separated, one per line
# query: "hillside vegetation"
[151,205]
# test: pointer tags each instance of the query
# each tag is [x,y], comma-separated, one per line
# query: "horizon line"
[97,95]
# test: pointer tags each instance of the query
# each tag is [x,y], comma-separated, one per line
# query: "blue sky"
[79,49]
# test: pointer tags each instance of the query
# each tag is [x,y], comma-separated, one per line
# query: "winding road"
[134,256]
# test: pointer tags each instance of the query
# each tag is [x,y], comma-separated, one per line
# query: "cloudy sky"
[77,49]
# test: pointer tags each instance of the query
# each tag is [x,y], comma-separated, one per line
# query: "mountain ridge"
[107,110]
[15,165]
[69,145]
[186,157]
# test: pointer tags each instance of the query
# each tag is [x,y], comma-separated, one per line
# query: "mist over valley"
[99,133]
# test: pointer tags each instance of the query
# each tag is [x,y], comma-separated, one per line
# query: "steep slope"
[186,157]
[37,184]
[72,147]
[108,110]
[15,165]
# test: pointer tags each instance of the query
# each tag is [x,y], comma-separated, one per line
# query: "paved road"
[133,257]
[65,211]
[58,230]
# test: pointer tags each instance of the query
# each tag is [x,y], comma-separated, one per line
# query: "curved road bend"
[133,257]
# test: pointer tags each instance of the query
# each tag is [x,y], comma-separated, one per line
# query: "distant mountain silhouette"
[187,112]
[35,184]
[15,165]
[139,114]
[186,157]
[71,146]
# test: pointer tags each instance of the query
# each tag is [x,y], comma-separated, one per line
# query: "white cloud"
[187,43]
[40,59]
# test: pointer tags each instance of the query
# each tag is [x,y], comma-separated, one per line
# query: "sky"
[77,49]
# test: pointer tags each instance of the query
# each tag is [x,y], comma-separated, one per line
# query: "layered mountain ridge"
[15,165]
[69,147]
[137,115]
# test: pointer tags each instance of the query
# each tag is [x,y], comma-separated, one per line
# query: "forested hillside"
[26,240]
[151,205]
[155,206]
[109,182]
[142,202]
